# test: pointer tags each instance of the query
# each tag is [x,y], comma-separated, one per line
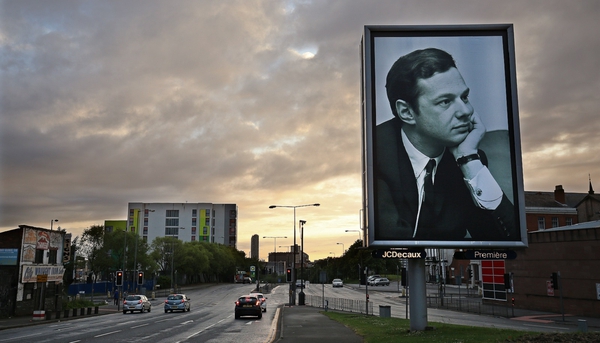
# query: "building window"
[146,211]
[173,213]
[108,229]
[145,239]
[145,221]
[207,212]
[131,212]
[172,222]
[52,256]
[554,221]
[541,223]
[193,230]
[194,221]
[207,221]
[39,256]
[131,222]
[569,221]
[171,231]
[205,238]
[193,238]
[194,211]
[205,230]
[145,230]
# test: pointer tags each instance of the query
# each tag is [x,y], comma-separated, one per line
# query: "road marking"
[139,326]
[106,334]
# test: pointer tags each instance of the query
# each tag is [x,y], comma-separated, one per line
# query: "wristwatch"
[466,159]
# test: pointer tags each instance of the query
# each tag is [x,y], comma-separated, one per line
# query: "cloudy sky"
[253,102]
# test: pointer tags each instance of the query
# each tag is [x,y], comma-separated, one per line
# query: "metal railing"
[347,305]
[470,305]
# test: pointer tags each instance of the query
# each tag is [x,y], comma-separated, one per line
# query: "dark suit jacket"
[456,215]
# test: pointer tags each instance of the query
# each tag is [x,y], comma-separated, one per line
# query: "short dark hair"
[401,81]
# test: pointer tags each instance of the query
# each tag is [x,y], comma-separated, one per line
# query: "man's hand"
[471,143]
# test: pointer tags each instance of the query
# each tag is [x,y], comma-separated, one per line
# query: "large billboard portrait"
[441,142]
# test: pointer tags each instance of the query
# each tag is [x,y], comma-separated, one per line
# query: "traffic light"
[507,281]
[288,275]
[120,278]
[470,273]
[555,280]
[404,277]
[140,278]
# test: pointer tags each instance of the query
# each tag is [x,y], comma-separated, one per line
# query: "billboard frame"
[465,39]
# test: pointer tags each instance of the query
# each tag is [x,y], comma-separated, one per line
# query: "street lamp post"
[137,232]
[293,283]
[275,249]
[359,233]
[301,295]
[173,258]
[343,249]
[52,223]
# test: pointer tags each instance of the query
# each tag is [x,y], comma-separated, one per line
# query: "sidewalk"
[306,324]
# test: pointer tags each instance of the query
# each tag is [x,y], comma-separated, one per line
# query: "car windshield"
[175,297]
[337,280]
[133,297]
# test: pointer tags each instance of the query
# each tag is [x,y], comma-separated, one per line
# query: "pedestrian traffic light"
[555,280]
[288,275]
[140,278]
[120,278]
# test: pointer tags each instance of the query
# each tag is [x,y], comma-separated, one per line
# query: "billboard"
[441,142]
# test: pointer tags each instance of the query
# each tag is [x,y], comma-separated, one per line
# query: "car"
[337,283]
[248,305]
[372,278]
[247,279]
[136,302]
[300,284]
[177,302]
[381,282]
[263,300]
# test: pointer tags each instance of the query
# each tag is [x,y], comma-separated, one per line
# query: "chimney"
[559,194]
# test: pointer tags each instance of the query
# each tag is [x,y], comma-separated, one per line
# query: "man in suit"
[432,180]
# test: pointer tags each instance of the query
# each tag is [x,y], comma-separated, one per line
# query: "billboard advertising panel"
[441,139]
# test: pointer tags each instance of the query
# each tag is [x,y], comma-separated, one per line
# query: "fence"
[347,305]
[471,305]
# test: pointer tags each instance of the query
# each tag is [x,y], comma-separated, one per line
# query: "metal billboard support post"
[418,295]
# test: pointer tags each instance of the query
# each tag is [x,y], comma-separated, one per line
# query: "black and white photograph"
[444,137]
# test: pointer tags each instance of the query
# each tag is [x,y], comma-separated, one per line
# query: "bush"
[78,303]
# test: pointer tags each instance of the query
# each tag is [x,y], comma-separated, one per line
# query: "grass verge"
[376,329]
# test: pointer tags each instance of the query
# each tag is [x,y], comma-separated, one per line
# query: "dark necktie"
[426,218]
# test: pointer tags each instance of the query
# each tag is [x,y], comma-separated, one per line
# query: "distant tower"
[254,247]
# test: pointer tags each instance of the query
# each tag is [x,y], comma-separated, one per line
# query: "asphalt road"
[211,319]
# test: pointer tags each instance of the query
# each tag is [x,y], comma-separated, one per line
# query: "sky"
[252,102]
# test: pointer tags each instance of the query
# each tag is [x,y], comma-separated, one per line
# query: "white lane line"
[208,327]
[106,334]
[138,326]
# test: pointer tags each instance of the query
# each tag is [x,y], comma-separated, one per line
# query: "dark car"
[177,302]
[248,305]
[135,302]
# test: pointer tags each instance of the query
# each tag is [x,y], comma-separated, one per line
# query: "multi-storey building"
[189,222]
[254,244]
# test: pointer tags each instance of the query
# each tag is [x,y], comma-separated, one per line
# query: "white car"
[337,283]
[263,300]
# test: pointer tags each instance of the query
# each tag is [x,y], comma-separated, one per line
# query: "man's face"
[444,111]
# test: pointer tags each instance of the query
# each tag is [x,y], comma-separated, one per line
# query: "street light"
[359,233]
[343,249]
[52,223]
[172,256]
[275,249]
[137,230]
[301,295]
[293,283]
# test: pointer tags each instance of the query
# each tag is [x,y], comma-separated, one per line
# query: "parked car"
[381,282]
[135,302]
[263,300]
[247,279]
[337,283]
[177,302]
[248,305]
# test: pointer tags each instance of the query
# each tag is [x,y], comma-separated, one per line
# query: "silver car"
[136,302]
[177,302]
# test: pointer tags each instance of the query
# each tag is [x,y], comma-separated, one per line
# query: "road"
[211,319]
